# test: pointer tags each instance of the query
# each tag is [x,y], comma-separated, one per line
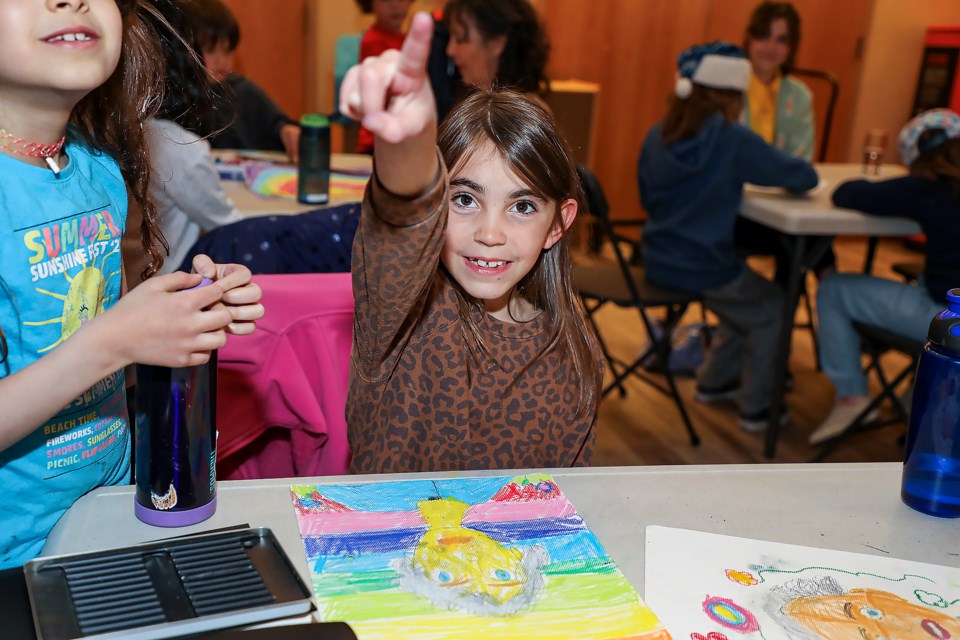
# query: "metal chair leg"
[813,326]
[663,348]
[608,358]
[677,400]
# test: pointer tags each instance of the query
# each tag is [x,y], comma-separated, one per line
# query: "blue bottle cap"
[953,300]
[945,326]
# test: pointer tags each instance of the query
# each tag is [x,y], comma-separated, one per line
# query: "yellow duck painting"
[465,569]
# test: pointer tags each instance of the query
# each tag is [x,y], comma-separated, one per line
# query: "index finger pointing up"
[416,49]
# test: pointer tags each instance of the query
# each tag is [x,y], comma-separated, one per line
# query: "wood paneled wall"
[272,49]
[629,47]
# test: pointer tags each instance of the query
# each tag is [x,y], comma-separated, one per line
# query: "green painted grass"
[373,600]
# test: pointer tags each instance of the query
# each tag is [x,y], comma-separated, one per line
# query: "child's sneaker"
[839,420]
[757,422]
[726,393]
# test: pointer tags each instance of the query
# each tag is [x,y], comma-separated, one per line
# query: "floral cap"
[946,122]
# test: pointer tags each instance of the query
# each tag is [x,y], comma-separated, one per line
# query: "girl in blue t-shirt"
[77,80]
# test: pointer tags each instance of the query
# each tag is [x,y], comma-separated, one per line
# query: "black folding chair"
[874,342]
[834,92]
[627,286]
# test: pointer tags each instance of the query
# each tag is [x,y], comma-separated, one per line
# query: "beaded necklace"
[33,149]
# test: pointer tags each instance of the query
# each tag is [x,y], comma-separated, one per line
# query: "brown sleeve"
[396,253]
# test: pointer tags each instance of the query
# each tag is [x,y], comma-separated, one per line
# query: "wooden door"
[272,49]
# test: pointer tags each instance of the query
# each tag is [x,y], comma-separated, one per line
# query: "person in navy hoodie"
[691,173]
[930,194]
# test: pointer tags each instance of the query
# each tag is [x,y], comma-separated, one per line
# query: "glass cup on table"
[874,145]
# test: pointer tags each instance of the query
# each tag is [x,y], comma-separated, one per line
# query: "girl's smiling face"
[53,52]
[496,230]
[767,55]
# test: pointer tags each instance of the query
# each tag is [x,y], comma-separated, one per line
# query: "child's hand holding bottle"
[160,322]
[240,296]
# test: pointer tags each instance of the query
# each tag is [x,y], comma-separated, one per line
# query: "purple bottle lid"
[182,518]
[203,283]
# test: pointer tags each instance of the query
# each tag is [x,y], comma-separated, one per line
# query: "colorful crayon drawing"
[486,558]
[705,585]
[280,180]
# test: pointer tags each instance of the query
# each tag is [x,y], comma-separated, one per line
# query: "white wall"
[891,66]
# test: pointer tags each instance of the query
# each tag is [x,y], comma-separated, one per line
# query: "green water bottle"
[313,181]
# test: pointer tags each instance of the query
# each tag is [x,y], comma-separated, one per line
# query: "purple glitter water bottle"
[176,443]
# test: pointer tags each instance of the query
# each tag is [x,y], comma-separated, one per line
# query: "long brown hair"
[110,118]
[685,116]
[527,138]
[941,163]
[761,21]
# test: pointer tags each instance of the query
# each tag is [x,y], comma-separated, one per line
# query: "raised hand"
[391,92]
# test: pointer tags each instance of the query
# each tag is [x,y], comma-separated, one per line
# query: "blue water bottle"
[931,466]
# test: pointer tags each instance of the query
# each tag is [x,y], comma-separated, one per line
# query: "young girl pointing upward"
[470,349]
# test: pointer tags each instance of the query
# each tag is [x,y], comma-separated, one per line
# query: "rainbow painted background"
[278,180]
[361,539]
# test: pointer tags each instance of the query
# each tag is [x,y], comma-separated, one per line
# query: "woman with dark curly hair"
[498,42]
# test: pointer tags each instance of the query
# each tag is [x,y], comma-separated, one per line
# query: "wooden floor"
[644,428]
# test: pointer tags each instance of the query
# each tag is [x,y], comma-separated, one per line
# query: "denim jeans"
[899,307]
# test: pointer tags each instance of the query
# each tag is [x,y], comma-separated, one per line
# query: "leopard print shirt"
[418,401]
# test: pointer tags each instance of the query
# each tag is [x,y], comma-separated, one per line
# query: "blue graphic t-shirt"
[59,267]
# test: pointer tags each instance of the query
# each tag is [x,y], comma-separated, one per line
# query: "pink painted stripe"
[558,507]
[349,521]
